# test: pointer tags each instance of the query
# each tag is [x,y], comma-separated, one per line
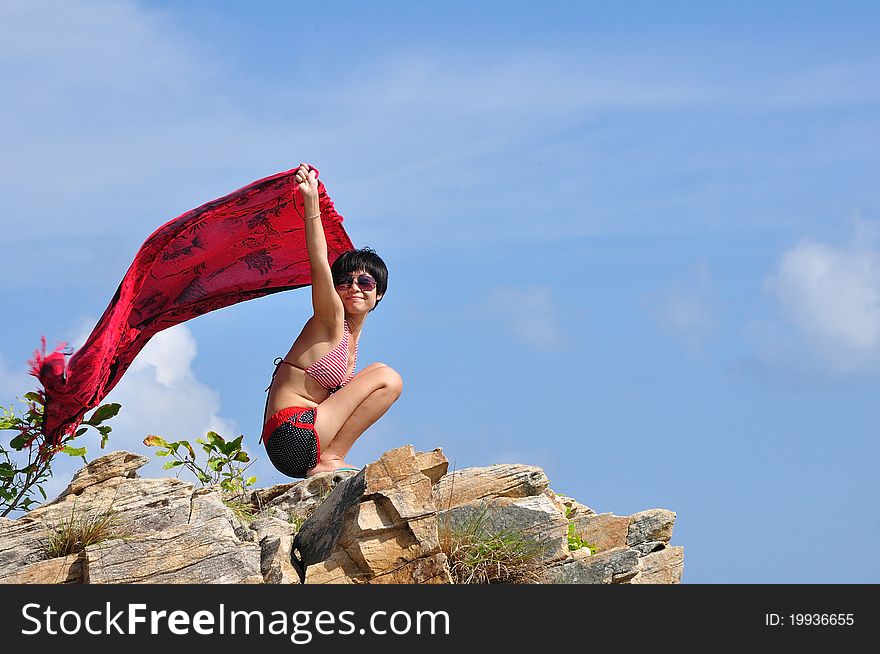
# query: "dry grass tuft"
[73,534]
[243,510]
[477,555]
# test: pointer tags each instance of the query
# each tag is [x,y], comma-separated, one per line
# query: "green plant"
[479,555]
[223,466]
[575,542]
[19,480]
[73,534]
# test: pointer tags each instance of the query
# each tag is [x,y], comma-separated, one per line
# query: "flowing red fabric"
[245,245]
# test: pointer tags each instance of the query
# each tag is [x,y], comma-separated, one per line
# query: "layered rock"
[388,523]
[501,480]
[159,531]
[379,526]
[631,549]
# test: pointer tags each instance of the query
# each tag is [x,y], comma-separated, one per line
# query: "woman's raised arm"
[326,304]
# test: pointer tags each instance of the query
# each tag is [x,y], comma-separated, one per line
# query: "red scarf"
[245,245]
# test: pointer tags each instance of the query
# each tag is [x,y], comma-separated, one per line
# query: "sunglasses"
[364,282]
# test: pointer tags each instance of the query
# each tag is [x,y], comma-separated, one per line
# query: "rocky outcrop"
[389,523]
[537,518]
[475,484]
[631,549]
[379,526]
[157,531]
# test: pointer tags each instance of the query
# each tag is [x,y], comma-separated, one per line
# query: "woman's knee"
[391,379]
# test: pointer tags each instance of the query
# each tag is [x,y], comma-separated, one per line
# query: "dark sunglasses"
[364,282]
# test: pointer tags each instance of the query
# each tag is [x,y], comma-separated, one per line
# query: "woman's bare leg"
[347,414]
[369,411]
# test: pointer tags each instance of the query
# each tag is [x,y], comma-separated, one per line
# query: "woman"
[317,406]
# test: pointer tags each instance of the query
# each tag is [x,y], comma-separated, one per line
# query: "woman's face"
[357,290]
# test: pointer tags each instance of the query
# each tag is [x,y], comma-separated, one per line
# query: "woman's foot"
[330,465]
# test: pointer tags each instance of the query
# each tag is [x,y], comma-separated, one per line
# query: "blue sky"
[633,244]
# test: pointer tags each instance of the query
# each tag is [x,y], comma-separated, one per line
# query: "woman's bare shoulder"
[319,330]
[314,334]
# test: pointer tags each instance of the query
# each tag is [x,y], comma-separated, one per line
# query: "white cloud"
[169,354]
[829,297]
[529,313]
[160,394]
[685,310]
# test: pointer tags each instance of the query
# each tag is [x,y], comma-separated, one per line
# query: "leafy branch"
[18,482]
[224,464]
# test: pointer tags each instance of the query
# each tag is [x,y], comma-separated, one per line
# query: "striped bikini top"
[330,370]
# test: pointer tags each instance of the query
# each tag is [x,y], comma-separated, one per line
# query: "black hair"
[364,259]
